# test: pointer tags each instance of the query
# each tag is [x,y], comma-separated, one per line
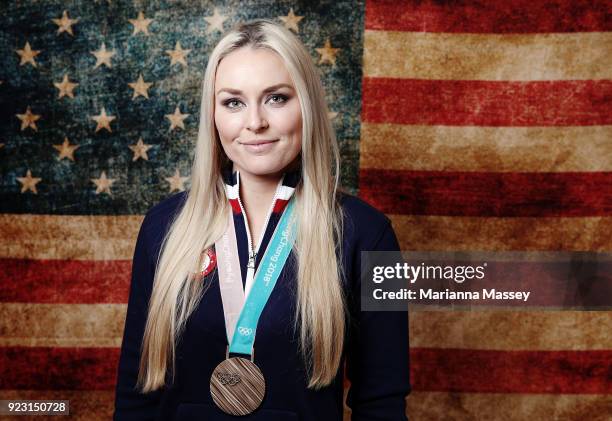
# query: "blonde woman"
[245,293]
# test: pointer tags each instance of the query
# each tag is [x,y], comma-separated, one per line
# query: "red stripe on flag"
[64,281]
[58,368]
[547,285]
[487,103]
[493,16]
[458,370]
[487,194]
[485,371]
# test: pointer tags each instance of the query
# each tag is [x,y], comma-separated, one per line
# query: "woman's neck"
[256,192]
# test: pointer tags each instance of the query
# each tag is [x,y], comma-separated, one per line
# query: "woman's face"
[257,112]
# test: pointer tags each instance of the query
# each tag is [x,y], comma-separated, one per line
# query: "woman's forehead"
[251,69]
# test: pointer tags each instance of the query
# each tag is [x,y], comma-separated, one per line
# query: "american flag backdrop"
[474,125]
[486,125]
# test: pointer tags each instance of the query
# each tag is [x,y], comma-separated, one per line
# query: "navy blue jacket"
[376,347]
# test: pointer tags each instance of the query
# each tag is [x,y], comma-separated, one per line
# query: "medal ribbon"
[241,334]
[230,277]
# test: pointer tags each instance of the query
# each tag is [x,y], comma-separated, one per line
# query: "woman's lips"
[259,146]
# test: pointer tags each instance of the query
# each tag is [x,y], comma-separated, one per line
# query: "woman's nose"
[256,120]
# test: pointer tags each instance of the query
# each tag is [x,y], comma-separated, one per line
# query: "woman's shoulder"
[160,215]
[361,211]
[363,223]
[167,207]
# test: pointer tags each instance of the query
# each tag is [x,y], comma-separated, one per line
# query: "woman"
[264,194]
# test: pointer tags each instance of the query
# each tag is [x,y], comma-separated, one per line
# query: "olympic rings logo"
[245,331]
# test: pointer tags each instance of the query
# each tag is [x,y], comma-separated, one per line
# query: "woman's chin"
[262,170]
[265,166]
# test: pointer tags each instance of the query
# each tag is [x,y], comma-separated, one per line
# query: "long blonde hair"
[201,221]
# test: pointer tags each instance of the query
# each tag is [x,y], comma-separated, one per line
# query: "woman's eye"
[231,101]
[235,103]
[278,99]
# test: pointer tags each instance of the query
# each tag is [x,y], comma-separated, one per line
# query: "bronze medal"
[237,386]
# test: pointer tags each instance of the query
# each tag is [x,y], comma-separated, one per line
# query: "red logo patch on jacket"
[208,262]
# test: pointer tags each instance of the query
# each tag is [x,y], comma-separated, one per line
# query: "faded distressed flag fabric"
[473,125]
[486,126]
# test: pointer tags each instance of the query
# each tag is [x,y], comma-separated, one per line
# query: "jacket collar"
[291,178]
[283,193]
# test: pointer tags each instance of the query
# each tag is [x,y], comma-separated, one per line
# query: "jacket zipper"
[253,253]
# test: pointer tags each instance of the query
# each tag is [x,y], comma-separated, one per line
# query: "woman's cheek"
[228,127]
[290,121]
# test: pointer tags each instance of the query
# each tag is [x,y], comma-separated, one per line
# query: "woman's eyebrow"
[268,89]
